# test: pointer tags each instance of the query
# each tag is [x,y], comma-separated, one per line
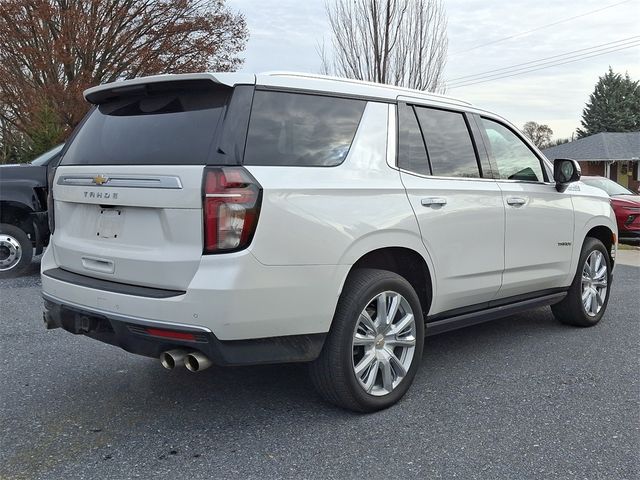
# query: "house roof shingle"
[601,146]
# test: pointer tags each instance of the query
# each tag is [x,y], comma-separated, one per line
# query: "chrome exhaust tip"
[172,358]
[196,361]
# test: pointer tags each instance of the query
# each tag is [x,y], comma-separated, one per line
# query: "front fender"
[591,210]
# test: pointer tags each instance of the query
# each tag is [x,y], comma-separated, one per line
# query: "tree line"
[614,106]
[52,50]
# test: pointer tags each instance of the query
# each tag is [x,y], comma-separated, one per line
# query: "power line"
[624,40]
[543,61]
[515,35]
[542,68]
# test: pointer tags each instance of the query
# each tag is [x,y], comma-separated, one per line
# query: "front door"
[539,219]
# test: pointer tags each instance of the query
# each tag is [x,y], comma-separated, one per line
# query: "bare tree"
[540,135]
[51,50]
[399,42]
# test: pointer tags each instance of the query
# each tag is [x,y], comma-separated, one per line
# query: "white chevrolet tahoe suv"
[235,219]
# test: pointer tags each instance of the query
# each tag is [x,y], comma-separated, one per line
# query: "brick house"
[608,154]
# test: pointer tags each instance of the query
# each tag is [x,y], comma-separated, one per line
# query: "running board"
[468,319]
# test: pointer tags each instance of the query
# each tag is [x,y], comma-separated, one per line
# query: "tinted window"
[167,127]
[513,159]
[449,145]
[412,155]
[301,130]
[46,157]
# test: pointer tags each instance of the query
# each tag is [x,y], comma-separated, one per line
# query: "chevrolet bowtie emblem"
[100,179]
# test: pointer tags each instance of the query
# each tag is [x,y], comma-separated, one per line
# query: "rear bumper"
[144,336]
[233,296]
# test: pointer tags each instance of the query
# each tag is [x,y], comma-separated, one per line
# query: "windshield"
[609,186]
[47,156]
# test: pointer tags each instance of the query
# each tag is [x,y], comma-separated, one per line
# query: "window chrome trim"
[434,177]
[122,181]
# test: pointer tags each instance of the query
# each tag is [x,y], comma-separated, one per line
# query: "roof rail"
[284,73]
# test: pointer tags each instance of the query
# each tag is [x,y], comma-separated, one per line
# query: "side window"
[513,159]
[449,144]
[412,155]
[301,129]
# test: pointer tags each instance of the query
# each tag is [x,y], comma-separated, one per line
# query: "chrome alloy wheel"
[10,252]
[384,342]
[594,283]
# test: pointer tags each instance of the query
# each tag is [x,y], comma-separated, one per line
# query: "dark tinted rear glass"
[163,128]
[448,142]
[300,129]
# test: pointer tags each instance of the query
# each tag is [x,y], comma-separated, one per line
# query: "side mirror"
[565,171]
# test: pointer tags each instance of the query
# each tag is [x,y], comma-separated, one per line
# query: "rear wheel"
[16,250]
[587,298]
[375,345]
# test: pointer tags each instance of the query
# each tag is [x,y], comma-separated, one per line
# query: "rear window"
[301,129]
[156,128]
[448,142]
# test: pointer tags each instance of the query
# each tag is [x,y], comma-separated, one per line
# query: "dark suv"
[23,211]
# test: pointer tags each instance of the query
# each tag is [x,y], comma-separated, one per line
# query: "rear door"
[539,219]
[458,206]
[128,191]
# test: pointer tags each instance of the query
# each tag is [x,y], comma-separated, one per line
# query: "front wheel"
[16,250]
[588,296]
[375,344]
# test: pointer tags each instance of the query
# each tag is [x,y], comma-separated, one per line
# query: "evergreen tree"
[614,106]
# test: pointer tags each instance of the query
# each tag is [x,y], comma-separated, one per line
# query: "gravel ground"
[523,397]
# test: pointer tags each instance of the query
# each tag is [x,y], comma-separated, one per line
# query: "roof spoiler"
[103,93]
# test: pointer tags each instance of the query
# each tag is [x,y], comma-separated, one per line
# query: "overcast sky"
[285,34]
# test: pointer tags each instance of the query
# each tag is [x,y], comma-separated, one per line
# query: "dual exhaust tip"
[194,361]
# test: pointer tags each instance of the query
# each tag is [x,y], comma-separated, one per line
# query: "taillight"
[231,206]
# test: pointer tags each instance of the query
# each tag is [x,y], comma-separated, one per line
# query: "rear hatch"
[128,191]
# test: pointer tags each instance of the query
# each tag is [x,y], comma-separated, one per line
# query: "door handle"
[516,201]
[433,201]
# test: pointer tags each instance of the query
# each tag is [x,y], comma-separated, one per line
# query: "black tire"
[571,310]
[332,372]
[25,246]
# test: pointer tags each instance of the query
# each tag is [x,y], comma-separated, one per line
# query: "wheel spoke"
[371,376]
[402,324]
[381,313]
[599,298]
[594,264]
[594,303]
[367,322]
[393,309]
[365,363]
[586,299]
[602,273]
[598,262]
[393,341]
[363,340]
[387,374]
[397,364]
